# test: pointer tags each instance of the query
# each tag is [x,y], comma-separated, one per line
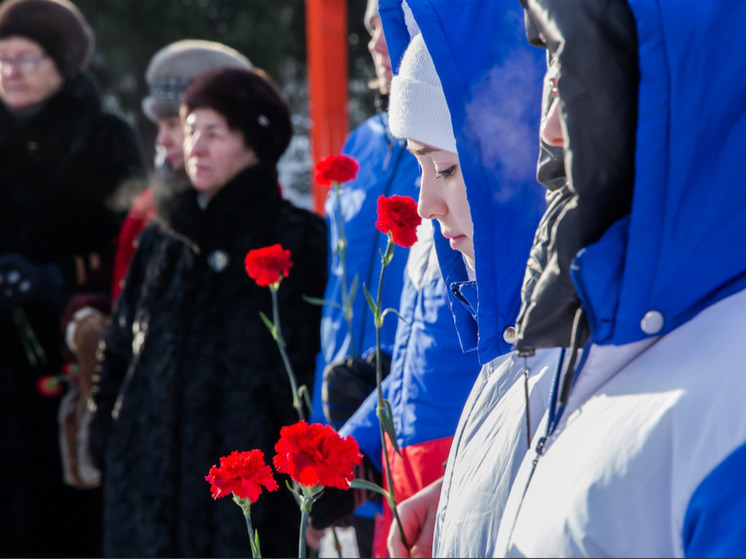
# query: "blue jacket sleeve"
[715,521]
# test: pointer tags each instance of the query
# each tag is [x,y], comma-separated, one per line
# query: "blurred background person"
[169,73]
[65,162]
[190,372]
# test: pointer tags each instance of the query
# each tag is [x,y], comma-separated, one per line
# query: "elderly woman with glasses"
[63,160]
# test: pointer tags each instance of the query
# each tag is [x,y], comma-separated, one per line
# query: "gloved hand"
[23,282]
[337,504]
[347,383]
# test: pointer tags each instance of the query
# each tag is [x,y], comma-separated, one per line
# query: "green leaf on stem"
[298,496]
[34,351]
[372,304]
[387,311]
[353,288]
[256,551]
[321,302]
[389,254]
[385,416]
[305,395]
[268,323]
[368,485]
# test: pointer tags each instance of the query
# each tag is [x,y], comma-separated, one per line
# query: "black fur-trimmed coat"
[192,373]
[61,170]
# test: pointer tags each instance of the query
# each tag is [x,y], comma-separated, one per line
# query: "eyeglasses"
[24,63]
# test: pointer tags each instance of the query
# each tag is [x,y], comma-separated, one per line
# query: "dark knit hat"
[173,68]
[57,25]
[250,103]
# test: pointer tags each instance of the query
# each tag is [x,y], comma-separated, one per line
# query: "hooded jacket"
[491,82]
[191,373]
[644,458]
[495,122]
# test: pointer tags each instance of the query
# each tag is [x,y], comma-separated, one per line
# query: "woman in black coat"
[190,371]
[63,163]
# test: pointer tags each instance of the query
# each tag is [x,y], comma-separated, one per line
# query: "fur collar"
[250,199]
[60,117]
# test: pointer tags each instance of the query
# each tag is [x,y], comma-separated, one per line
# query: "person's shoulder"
[114,142]
[153,231]
[370,130]
[301,217]
[111,124]
[302,229]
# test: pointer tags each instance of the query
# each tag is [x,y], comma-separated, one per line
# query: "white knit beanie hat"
[417,104]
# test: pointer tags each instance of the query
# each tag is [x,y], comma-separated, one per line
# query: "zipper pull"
[540,447]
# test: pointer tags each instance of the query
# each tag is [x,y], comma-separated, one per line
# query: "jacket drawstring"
[579,333]
[526,372]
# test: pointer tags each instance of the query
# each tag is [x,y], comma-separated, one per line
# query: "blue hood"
[681,248]
[492,82]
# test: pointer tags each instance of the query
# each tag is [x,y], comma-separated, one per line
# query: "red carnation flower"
[71,370]
[267,265]
[336,168]
[398,215]
[317,455]
[49,386]
[241,473]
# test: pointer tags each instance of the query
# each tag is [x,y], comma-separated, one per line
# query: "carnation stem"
[302,539]
[297,404]
[255,553]
[381,410]
[308,496]
[342,247]
[34,351]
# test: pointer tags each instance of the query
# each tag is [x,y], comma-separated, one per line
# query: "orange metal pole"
[326,33]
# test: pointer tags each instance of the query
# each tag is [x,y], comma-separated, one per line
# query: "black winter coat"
[58,170]
[192,373]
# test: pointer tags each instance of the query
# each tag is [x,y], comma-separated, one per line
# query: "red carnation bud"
[336,168]
[398,215]
[243,474]
[317,455]
[267,265]
[49,386]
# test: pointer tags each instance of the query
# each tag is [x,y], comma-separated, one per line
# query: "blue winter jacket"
[386,168]
[492,83]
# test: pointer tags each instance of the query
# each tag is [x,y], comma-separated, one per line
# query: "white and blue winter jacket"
[646,457]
